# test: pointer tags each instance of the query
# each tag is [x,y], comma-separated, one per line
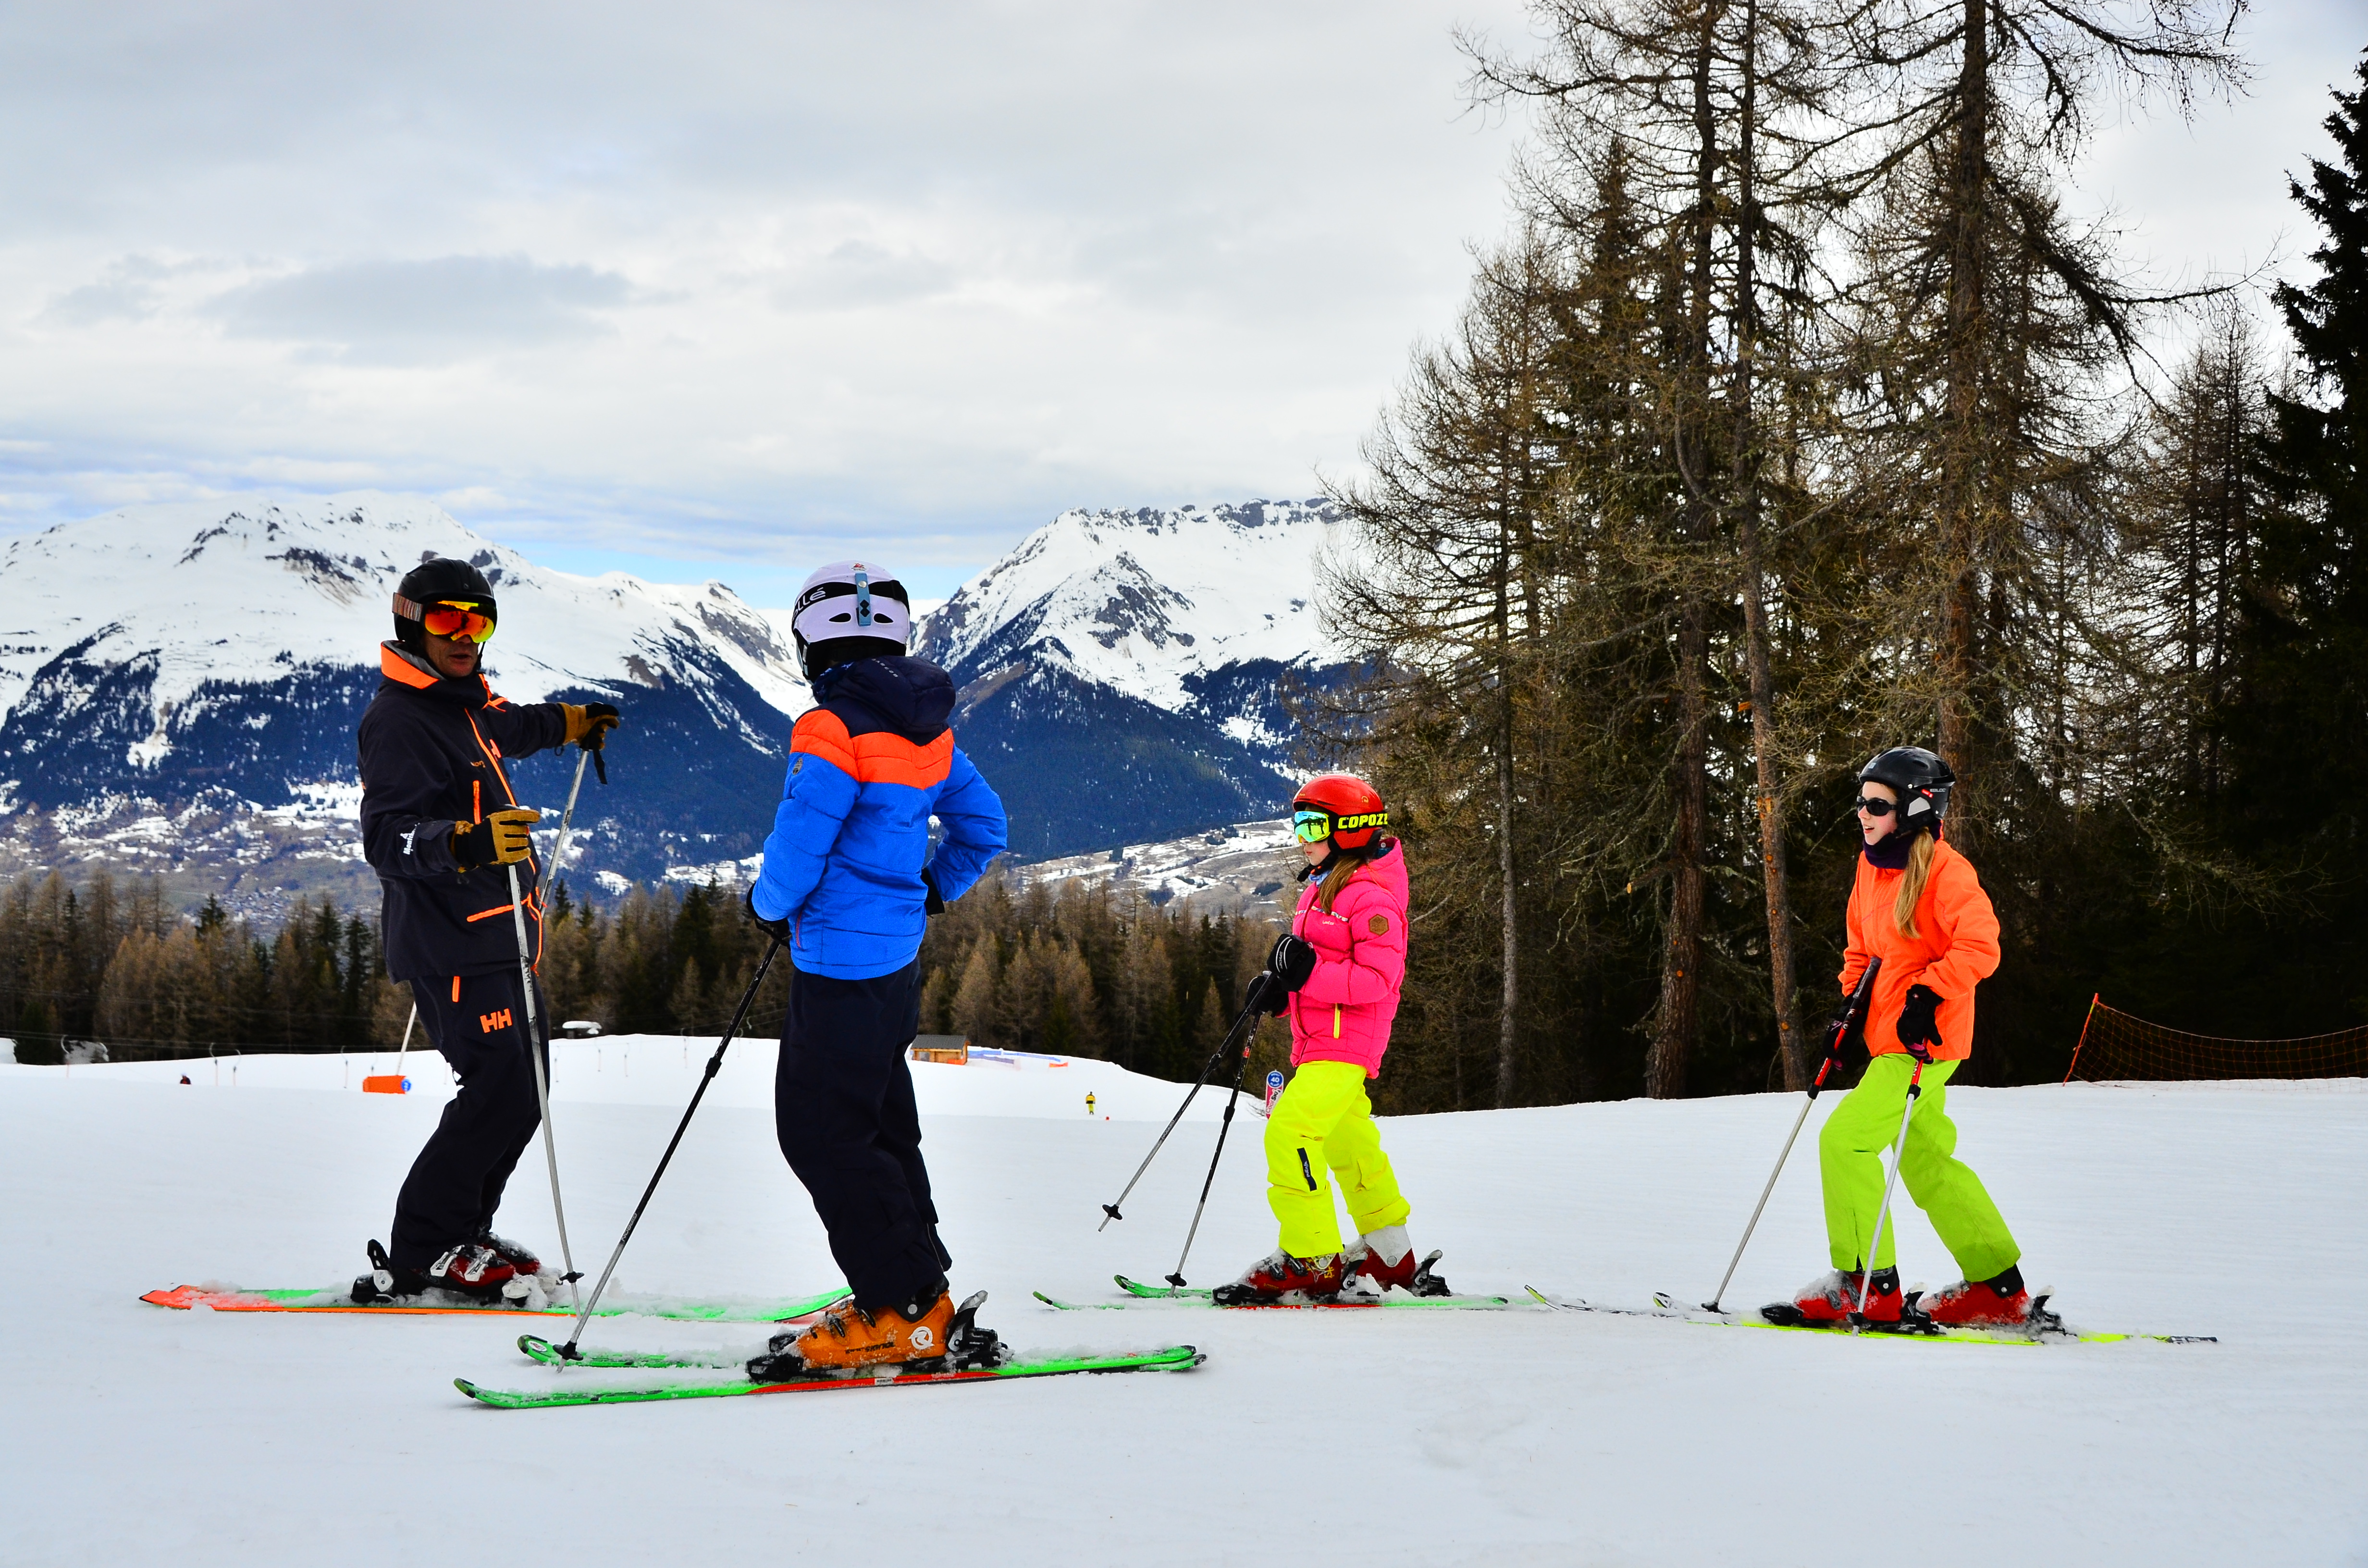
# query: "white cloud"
[750,280]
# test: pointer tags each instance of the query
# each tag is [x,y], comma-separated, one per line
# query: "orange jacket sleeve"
[1855,952]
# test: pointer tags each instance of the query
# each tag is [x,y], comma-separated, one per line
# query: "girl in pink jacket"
[1335,975]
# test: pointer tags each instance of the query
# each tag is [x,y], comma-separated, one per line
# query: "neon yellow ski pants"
[1849,1152]
[1323,1123]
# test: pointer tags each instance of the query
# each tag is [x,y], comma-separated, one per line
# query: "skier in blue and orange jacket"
[847,885]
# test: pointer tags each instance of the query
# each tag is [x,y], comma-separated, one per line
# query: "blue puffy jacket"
[868,768]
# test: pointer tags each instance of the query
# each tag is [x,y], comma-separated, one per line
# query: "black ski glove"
[776,930]
[1291,962]
[933,902]
[1919,1024]
[1266,995]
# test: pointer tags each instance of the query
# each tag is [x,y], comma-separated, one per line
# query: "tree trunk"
[1664,1067]
[1960,457]
[1774,875]
[1510,1010]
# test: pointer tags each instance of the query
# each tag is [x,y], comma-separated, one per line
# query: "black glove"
[776,930]
[1919,1025]
[1291,962]
[934,902]
[499,840]
[1266,995]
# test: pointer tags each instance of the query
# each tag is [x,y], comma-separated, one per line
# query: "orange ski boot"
[928,1334]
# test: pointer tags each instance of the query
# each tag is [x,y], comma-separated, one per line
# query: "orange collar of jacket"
[404,667]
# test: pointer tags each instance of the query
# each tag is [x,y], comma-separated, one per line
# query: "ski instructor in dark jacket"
[443,829]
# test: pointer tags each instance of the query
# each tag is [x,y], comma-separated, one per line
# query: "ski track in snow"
[1487,1438]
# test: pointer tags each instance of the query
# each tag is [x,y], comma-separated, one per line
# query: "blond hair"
[1344,866]
[1911,884]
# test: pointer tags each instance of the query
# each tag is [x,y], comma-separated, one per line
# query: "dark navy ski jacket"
[431,756]
[868,769]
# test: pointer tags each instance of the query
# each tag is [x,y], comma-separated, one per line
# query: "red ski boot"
[2001,1302]
[472,1268]
[1382,1260]
[1279,1276]
[1831,1301]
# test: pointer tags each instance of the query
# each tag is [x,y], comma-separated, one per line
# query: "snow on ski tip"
[1174,1359]
[229,1299]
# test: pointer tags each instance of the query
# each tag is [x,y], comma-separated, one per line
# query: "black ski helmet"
[432,582]
[1920,779]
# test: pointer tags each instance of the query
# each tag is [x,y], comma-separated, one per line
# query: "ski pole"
[1176,1281]
[1858,997]
[406,1043]
[536,1046]
[1110,1210]
[1898,1152]
[715,1063]
[567,821]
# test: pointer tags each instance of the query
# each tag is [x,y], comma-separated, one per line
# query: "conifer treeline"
[1801,421]
[109,960]
[1059,968]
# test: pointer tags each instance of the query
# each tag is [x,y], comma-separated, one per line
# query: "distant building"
[948,1048]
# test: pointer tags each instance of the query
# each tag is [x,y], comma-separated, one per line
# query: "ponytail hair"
[1911,884]
[1343,865]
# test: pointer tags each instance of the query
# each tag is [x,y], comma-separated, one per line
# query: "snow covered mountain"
[179,686]
[1122,671]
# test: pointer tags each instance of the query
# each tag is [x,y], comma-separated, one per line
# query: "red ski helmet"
[1340,807]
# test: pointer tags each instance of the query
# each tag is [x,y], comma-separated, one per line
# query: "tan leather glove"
[588,723]
[500,840]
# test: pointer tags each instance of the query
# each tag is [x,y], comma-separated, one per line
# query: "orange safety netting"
[2114,1046]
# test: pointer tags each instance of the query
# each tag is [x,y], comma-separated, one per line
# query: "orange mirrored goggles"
[457,620]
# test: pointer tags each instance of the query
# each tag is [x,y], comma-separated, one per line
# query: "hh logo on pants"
[489,1022]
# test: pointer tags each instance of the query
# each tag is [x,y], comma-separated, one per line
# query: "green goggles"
[1314,826]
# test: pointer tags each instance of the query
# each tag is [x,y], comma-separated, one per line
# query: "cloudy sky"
[712,288]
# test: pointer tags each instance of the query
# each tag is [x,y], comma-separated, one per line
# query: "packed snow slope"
[1123,673]
[180,683]
[1522,1436]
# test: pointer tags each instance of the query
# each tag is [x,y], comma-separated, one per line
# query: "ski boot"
[2002,1303]
[477,1271]
[517,1257]
[385,1284]
[929,1333]
[1831,1301]
[1371,1272]
[1279,1276]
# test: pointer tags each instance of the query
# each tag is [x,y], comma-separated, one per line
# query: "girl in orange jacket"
[1918,907]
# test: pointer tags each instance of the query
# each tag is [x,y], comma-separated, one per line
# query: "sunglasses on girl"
[1875,808]
[1313,828]
[457,620]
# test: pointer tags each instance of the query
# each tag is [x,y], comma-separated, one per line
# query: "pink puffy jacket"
[1343,1013]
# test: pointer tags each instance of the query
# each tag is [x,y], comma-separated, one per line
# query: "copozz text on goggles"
[1314,827]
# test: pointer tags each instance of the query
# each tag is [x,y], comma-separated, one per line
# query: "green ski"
[1175,1358]
[1193,1295]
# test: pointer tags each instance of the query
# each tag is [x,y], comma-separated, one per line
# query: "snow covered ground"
[135,1434]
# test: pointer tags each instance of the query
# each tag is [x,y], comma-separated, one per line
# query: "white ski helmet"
[850,609]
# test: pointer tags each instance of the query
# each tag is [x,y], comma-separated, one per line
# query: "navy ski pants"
[456,1183]
[843,1107]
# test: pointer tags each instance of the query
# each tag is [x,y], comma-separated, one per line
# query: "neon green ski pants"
[1323,1122]
[1849,1150]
